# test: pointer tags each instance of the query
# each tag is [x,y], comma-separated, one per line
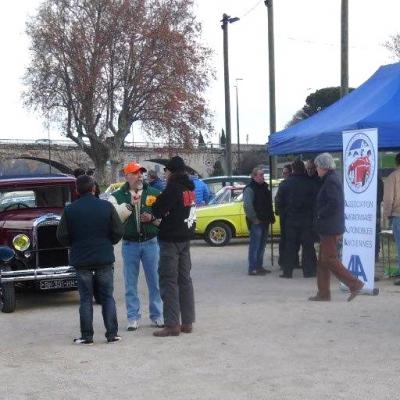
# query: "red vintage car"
[30,210]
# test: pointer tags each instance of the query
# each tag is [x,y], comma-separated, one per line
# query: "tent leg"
[271,231]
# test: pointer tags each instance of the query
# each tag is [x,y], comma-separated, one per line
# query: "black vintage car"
[30,210]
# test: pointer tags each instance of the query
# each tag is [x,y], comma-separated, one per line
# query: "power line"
[312,42]
[251,9]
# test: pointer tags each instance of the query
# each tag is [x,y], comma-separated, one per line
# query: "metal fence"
[69,143]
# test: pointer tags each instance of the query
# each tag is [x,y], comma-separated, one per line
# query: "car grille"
[50,252]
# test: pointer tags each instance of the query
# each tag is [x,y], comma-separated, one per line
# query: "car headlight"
[21,242]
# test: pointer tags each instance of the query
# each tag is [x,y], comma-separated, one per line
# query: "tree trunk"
[116,166]
[115,156]
[100,173]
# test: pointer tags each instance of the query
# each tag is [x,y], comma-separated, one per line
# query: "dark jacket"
[330,206]
[296,199]
[91,227]
[257,202]
[176,206]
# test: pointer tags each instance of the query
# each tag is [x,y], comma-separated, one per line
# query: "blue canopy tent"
[375,104]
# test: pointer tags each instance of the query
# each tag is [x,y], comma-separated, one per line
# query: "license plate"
[58,284]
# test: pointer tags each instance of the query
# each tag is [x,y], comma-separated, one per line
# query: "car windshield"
[226,195]
[274,191]
[43,196]
[222,196]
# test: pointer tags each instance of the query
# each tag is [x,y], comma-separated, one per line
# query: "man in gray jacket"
[259,214]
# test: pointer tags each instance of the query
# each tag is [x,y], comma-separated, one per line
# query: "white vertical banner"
[360,170]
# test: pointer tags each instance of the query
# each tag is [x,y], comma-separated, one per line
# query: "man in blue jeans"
[133,203]
[259,214]
[91,227]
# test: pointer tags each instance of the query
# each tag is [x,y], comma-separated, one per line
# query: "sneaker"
[157,323]
[132,325]
[263,271]
[114,339]
[87,342]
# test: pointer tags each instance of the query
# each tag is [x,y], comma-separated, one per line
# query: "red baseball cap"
[133,168]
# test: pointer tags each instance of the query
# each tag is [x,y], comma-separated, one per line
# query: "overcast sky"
[307,55]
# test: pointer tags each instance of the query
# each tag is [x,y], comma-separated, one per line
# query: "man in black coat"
[176,208]
[286,172]
[330,227]
[91,227]
[296,203]
[259,215]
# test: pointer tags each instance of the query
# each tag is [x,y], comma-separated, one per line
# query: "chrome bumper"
[37,274]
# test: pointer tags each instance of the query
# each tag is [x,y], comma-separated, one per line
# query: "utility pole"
[225,20]
[344,44]
[271,63]
[237,123]
[49,147]
[272,108]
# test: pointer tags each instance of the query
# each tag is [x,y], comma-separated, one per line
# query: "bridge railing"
[68,142]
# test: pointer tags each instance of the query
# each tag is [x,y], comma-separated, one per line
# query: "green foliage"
[201,141]
[251,159]
[218,170]
[222,139]
[315,102]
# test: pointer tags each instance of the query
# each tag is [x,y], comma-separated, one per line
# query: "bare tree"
[100,66]
[393,45]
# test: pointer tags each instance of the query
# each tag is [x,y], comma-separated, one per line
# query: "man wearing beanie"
[176,208]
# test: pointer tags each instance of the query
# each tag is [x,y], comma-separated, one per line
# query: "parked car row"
[30,211]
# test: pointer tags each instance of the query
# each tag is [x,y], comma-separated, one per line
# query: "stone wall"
[200,159]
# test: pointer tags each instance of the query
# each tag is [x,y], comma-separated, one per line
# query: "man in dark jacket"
[176,208]
[330,226]
[296,203]
[91,227]
[286,172]
[259,214]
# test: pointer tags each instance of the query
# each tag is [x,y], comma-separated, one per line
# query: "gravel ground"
[255,338]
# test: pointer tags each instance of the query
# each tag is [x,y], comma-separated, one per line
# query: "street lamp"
[225,20]
[271,65]
[237,122]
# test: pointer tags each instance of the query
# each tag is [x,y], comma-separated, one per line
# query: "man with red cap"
[133,202]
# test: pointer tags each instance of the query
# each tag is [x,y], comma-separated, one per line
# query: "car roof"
[30,180]
[233,187]
[226,178]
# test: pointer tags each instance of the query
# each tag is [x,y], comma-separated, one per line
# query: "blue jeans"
[258,241]
[148,253]
[103,280]
[396,233]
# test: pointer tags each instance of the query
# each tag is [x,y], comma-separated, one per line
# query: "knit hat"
[175,164]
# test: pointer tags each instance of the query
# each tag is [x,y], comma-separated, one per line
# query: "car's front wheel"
[218,234]
[7,297]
